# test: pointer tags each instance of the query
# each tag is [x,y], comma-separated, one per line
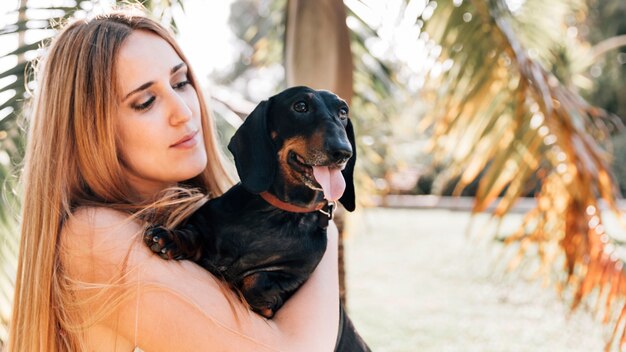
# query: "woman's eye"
[143,106]
[301,107]
[343,113]
[181,85]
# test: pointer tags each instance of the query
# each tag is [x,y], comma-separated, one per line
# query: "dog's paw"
[263,294]
[160,241]
[266,312]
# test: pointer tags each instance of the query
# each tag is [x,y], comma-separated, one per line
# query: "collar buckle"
[327,214]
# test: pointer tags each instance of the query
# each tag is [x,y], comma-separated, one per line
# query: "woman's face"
[158,121]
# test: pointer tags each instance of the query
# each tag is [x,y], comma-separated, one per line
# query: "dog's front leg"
[181,243]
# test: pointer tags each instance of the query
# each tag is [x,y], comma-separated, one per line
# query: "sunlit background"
[490,141]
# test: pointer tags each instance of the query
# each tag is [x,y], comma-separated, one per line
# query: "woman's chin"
[192,169]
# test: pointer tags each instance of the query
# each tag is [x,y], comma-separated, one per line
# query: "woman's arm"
[183,307]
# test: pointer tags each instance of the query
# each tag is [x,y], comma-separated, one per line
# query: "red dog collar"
[326,209]
[273,200]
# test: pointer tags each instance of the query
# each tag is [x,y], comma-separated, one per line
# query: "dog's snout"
[340,153]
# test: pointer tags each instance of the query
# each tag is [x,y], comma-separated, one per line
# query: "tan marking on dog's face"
[297,145]
[316,142]
[310,150]
[314,154]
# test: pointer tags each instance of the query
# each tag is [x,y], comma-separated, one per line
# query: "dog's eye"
[343,113]
[301,106]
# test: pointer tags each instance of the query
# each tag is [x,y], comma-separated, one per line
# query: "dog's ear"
[348,197]
[255,157]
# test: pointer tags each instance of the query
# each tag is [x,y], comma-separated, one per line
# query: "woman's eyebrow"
[177,67]
[138,89]
[148,84]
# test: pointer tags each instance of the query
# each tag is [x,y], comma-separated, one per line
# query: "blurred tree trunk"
[317,46]
[318,55]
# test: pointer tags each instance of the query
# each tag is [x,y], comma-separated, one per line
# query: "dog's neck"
[324,209]
[290,207]
[299,196]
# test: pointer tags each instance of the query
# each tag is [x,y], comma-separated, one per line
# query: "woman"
[119,133]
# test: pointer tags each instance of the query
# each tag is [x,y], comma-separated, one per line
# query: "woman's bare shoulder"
[110,242]
[181,305]
[97,237]
[96,221]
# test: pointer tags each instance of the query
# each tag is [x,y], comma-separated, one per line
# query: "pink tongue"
[331,180]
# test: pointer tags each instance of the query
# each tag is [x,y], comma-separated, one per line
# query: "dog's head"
[298,144]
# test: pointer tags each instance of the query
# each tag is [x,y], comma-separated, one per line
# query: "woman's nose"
[179,111]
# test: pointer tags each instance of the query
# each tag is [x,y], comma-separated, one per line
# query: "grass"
[417,282]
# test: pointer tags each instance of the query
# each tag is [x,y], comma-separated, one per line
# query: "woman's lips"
[188,141]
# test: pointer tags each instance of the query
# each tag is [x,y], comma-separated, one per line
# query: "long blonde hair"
[72,161]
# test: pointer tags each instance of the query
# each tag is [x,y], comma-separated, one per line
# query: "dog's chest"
[250,234]
[271,233]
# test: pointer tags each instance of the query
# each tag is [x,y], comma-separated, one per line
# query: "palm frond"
[500,112]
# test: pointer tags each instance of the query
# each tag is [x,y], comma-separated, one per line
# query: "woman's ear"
[348,197]
[252,147]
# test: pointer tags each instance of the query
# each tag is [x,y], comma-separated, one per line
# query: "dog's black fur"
[263,252]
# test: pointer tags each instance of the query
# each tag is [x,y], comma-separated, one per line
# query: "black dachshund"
[295,156]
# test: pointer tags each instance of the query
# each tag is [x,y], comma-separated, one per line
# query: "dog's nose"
[340,153]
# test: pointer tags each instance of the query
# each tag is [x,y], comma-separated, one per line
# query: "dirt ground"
[417,282]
